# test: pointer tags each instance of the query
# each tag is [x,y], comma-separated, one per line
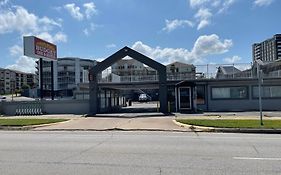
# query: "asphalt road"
[70,153]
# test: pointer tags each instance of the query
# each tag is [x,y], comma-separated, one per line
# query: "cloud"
[225,5]
[197,3]
[86,32]
[91,28]
[232,60]
[3,2]
[210,44]
[16,50]
[206,9]
[58,37]
[24,64]
[203,16]
[261,3]
[18,19]
[111,45]
[174,24]
[204,46]
[90,9]
[74,11]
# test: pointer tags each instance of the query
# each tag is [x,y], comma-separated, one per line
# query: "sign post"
[42,50]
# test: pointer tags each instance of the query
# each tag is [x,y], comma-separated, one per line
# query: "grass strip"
[228,123]
[28,122]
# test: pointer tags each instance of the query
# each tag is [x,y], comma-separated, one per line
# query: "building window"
[200,90]
[267,91]
[230,92]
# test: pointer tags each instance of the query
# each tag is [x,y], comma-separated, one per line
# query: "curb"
[27,128]
[117,129]
[228,130]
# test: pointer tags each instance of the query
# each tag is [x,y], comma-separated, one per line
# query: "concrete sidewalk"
[115,123]
[147,122]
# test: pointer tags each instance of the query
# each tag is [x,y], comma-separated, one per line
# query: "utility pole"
[259,74]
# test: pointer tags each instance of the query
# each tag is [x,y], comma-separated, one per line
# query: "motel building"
[228,88]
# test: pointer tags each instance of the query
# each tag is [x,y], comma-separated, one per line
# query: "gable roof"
[177,63]
[228,69]
[126,51]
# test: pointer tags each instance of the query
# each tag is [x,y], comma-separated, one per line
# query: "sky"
[190,31]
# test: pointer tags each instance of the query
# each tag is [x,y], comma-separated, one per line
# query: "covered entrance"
[126,51]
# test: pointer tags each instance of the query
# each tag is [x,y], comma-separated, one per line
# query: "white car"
[2,98]
[143,98]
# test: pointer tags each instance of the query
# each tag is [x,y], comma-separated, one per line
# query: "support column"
[163,98]
[93,90]
[52,80]
[41,77]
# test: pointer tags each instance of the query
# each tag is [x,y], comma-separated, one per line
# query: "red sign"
[45,49]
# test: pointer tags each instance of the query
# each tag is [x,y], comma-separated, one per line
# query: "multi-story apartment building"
[12,80]
[268,50]
[180,71]
[68,73]
[126,67]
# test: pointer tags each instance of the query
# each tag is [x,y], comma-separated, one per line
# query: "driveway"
[159,123]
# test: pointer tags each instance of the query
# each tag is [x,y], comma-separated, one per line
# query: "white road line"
[258,158]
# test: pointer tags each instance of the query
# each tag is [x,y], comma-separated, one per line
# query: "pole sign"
[38,48]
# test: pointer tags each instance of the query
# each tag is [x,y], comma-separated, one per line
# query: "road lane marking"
[258,158]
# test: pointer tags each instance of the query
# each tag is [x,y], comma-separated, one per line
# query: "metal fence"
[207,71]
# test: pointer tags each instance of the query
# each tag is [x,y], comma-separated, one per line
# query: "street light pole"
[259,74]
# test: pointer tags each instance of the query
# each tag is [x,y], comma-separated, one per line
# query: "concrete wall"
[52,107]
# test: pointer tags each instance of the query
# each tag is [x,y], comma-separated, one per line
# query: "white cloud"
[16,50]
[3,2]
[261,3]
[58,37]
[86,32]
[112,45]
[210,44]
[225,5]
[197,3]
[91,28]
[24,64]
[18,19]
[174,24]
[232,60]
[203,23]
[206,9]
[203,16]
[90,9]
[74,11]
[204,46]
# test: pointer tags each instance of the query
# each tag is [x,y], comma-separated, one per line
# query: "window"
[200,95]
[229,92]
[267,91]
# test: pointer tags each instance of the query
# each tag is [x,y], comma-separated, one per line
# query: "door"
[184,98]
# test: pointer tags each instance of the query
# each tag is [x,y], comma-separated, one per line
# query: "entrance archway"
[126,51]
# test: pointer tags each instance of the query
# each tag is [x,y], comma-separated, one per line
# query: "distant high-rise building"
[68,73]
[268,50]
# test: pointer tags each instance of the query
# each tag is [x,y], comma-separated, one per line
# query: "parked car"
[2,98]
[143,98]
